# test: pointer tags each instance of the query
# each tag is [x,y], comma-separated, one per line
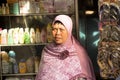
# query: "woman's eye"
[54,29]
[61,29]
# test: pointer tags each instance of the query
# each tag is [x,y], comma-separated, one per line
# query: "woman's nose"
[58,31]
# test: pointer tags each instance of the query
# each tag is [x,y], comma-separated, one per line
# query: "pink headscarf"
[67,61]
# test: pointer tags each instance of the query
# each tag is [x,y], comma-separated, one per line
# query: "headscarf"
[66,61]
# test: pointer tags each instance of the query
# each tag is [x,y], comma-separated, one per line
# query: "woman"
[64,59]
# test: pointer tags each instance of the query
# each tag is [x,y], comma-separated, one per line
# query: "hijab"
[66,61]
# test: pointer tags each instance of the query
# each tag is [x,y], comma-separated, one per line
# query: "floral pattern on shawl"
[52,68]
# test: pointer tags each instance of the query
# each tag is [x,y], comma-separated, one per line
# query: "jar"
[22,66]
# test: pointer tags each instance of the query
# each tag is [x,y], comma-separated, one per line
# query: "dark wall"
[89,37]
[2,1]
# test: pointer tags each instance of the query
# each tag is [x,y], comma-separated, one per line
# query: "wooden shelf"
[25,74]
[36,14]
[22,44]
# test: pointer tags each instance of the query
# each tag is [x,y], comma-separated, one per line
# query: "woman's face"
[59,33]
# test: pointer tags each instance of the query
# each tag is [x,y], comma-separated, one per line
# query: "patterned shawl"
[67,61]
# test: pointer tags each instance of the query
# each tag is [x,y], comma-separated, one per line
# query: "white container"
[10,36]
[0,34]
[15,35]
[24,6]
[4,36]
[21,36]
[32,35]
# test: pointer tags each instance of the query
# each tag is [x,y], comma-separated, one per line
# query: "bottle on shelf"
[12,61]
[3,9]
[15,68]
[22,66]
[7,9]
[49,33]
[16,35]
[10,36]
[0,34]
[32,35]
[4,37]
[30,65]
[37,61]
[26,36]
[5,62]
[37,35]
[21,36]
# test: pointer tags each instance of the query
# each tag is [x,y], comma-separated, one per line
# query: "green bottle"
[27,36]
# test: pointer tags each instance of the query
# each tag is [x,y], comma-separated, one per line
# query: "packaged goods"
[22,66]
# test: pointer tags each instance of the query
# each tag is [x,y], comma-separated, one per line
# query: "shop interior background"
[88,28]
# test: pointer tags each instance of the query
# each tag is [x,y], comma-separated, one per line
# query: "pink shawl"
[67,61]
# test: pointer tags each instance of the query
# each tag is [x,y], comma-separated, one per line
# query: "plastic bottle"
[37,35]
[36,64]
[26,36]
[0,34]
[30,65]
[5,64]
[22,66]
[4,36]
[15,35]
[10,67]
[12,54]
[49,33]
[21,36]
[10,36]
[3,9]
[7,9]
[12,61]
[15,68]
[32,35]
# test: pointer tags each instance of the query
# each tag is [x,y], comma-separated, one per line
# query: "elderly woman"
[64,58]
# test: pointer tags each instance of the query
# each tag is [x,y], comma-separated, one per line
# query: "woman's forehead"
[58,25]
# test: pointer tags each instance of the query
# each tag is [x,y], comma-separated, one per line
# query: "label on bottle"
[22,67]
[5,66]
